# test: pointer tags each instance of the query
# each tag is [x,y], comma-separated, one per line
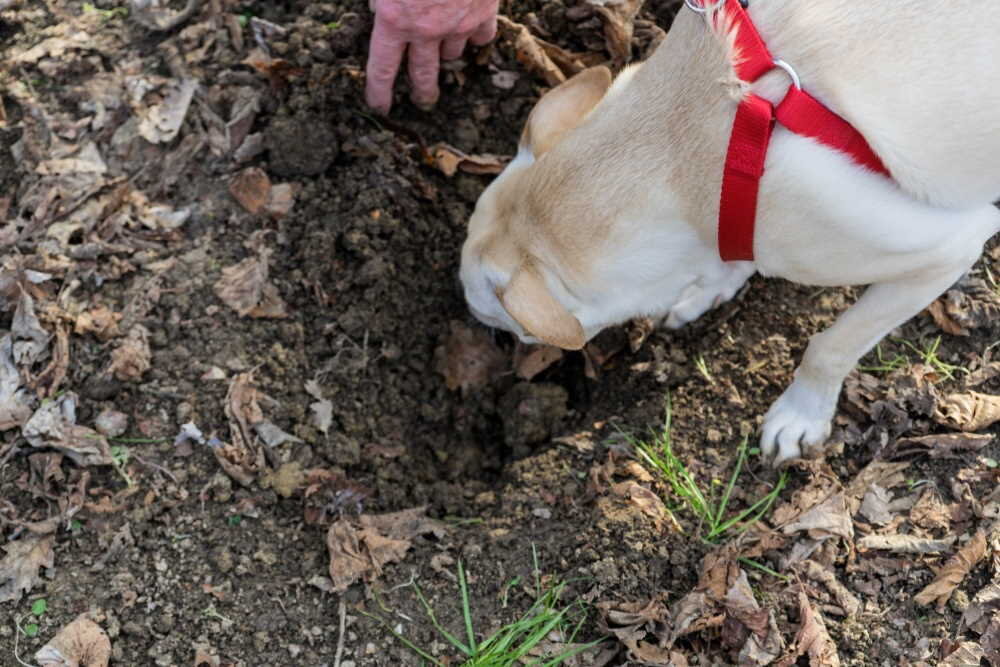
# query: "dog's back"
[920,79]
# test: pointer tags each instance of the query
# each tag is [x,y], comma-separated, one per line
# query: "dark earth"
[530,476]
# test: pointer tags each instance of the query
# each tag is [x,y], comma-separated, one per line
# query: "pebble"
[111,423]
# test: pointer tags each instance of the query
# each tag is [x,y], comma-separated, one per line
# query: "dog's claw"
[798,424]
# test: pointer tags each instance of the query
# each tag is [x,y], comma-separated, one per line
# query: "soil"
[175,558]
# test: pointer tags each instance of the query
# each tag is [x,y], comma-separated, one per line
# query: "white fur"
[920,79]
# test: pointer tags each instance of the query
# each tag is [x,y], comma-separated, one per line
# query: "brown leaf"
[985,604]
[967,654]
[82,643]
[971,411]
[449,160]
[245,288]
[468,359]
[929,512]
[812,639]
[939,446]
[529,52]
[847,601]
[905,544]
[530,360]
[131,359]
[243,459]
[826,519]
[100,321]
[953,572]
[618,17]
[359,549]
[251,188]
[53,426]
[990,641]
[19,569]
[971,305]
[941,317]
[648,503]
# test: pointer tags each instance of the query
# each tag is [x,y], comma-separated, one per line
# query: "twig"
[342,608]
[155,466]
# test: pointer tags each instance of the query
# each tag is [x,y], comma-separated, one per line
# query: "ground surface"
[259,257]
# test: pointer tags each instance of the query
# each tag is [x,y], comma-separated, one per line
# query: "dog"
[610,208]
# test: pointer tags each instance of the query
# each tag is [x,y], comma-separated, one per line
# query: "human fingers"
[385,53]
[485,32]
[452,47]
[424,63]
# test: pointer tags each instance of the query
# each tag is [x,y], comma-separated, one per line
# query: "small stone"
[223,559]
[713,435]
[542,512]
[111,423]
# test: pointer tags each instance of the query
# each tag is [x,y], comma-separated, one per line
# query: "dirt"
[175,558]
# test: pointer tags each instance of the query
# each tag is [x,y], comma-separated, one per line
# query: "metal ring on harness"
[789,70]
[704,10]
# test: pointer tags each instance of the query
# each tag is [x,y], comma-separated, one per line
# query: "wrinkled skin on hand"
[427,31]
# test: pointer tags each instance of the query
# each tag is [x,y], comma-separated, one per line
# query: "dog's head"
[576,234]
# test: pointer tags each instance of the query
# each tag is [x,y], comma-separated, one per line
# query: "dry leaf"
[530,360]
[905,544]
[15,402]
[953,572]
[829,518]
[100,321]
[161,122]
[968,654]
[972,305]
[971,411]
[131,359]
[243,459]
[246,289]
[648,503]
[939,446]
[985,604]
[19,569]
[251,188]
[812,639]
[468,359]
[618,17]
[359,549]
[53,426]
[847,601]
[990,641]
[875,505]
[529,51]
[929,512]
[449,160]
[82,643]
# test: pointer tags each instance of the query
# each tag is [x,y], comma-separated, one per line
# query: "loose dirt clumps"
[245,415]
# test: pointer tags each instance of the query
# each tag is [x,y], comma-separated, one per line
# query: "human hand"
[428,31]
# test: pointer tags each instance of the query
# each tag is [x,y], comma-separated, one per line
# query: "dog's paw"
[797,424]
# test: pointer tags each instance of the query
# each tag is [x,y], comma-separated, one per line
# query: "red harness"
[799,111]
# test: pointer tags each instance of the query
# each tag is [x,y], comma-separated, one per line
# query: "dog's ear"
[529,302]
[563,108]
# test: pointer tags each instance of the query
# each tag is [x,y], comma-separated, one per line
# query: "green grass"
[702,366]
[714,513]
[927,355]
[510,645]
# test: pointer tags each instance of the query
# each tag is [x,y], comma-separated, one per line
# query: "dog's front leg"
[799,421]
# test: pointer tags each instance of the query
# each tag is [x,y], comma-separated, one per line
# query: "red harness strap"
[799,111]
